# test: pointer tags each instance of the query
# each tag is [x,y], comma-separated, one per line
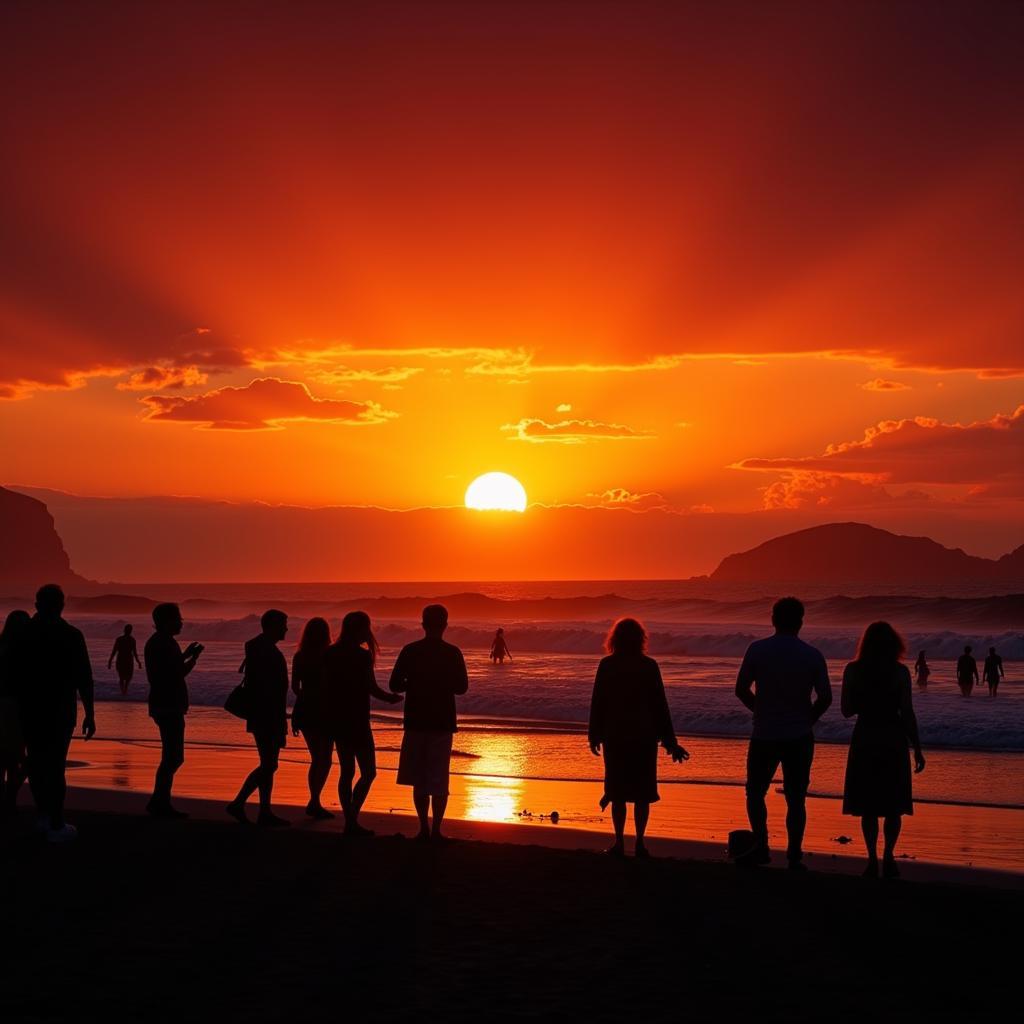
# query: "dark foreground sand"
[210,921]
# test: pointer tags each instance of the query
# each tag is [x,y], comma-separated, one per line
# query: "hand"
[595,749]
[918,762]
[88,727]
[110,664]
[680,754]
[194,650]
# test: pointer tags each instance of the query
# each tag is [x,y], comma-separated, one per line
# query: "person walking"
[125,656]
[309,713]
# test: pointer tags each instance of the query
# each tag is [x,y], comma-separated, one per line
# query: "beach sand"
[212,921]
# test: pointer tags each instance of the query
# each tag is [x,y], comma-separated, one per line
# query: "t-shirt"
[348,681]
[165,670]
[51,666]
[430,672]
[785,672]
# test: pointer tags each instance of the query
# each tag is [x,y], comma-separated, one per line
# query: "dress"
[878,776]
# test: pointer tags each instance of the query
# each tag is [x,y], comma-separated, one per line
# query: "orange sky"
[673,255]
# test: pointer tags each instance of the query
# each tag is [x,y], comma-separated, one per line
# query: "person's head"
[15,625]
[627,636]
[316,636]
[357,631]
[920,654]
[274,624]
[880,644]
[128,629]
[788,615]
[50,601]
[435,619]
[501,632]
[167,618]
[968,649]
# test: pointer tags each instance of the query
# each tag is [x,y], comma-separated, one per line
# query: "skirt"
[878,780]
[631,771]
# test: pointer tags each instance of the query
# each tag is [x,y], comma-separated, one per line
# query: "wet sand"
[211,921]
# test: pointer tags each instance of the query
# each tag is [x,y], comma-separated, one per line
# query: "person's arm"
[909,720]
[460,684]
[663,718]
[823,691]
[135,653]
[974,669]
[848,694]
[375,690]
[113,653]
[595,727]
[399,681]
[85,687]
[745,682]
[296,674]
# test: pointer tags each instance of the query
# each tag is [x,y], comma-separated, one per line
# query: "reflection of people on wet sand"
[966,672]
[12,735]
[993,671]
[629,717]
[125,656]
[921,670]
[876,688]
[499,649]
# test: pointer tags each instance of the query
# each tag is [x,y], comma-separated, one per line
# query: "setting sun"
[496,491]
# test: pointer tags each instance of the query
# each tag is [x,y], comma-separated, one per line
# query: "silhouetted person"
[922,670]
[629,717]
[993,671]
[431,673]
[966,672]
[499,648]
[350,683]
[876,688]
[166,668]
[12,733]
[53,671]
[309,715]
[266,684]
[125,656]
[778,676]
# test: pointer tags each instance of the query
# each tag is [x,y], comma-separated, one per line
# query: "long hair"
[14,625]
[627,636]
[880,644]
[356,630]
[316,636]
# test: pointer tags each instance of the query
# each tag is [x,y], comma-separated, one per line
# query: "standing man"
[430,672]
[776,682]
[966,672]
[993,671]
[53,672]
[166,669]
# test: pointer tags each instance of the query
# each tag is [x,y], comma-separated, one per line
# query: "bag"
[237,703]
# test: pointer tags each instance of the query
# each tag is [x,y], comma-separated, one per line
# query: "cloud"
[987,456]
[519,363]
[572,432]
[619,497]
[564,407]
[158,378]
[386,375]
[263,404]
[880,384]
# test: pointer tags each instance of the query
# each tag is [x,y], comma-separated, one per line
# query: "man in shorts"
[430,672]
[776,682]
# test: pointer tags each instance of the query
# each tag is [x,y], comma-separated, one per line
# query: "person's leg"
[869,826]
[421,801]
[56,784]
[268,748]
[641,814]
[762,761]
[172,757]
[893,824]
[250,785]
[619,824]
[347,760]
[320,748]
[440,802]
[796,756]
[366,755]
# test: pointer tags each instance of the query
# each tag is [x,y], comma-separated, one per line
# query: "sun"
[496,491]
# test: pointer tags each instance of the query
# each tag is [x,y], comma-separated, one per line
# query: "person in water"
[993,671]
[125,656]
[629,717]
[266,685]
[167,667]
[309,715]
[349,683]
[966,672]
[499,649]
[876,689]
[12,734]
[922,670]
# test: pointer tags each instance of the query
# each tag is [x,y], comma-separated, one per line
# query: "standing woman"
[309,716]
[266,689]
[876,688]
[922,670]
[349,683]
[629,717]
[125,656]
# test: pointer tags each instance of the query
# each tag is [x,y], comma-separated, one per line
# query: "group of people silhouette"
[966,671]
[45,671]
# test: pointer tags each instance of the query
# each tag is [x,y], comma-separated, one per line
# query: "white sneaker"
[65,834]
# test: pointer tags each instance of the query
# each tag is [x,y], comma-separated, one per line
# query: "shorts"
[425,761]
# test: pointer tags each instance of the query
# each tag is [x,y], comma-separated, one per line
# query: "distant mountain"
[839,554]
[31,551]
